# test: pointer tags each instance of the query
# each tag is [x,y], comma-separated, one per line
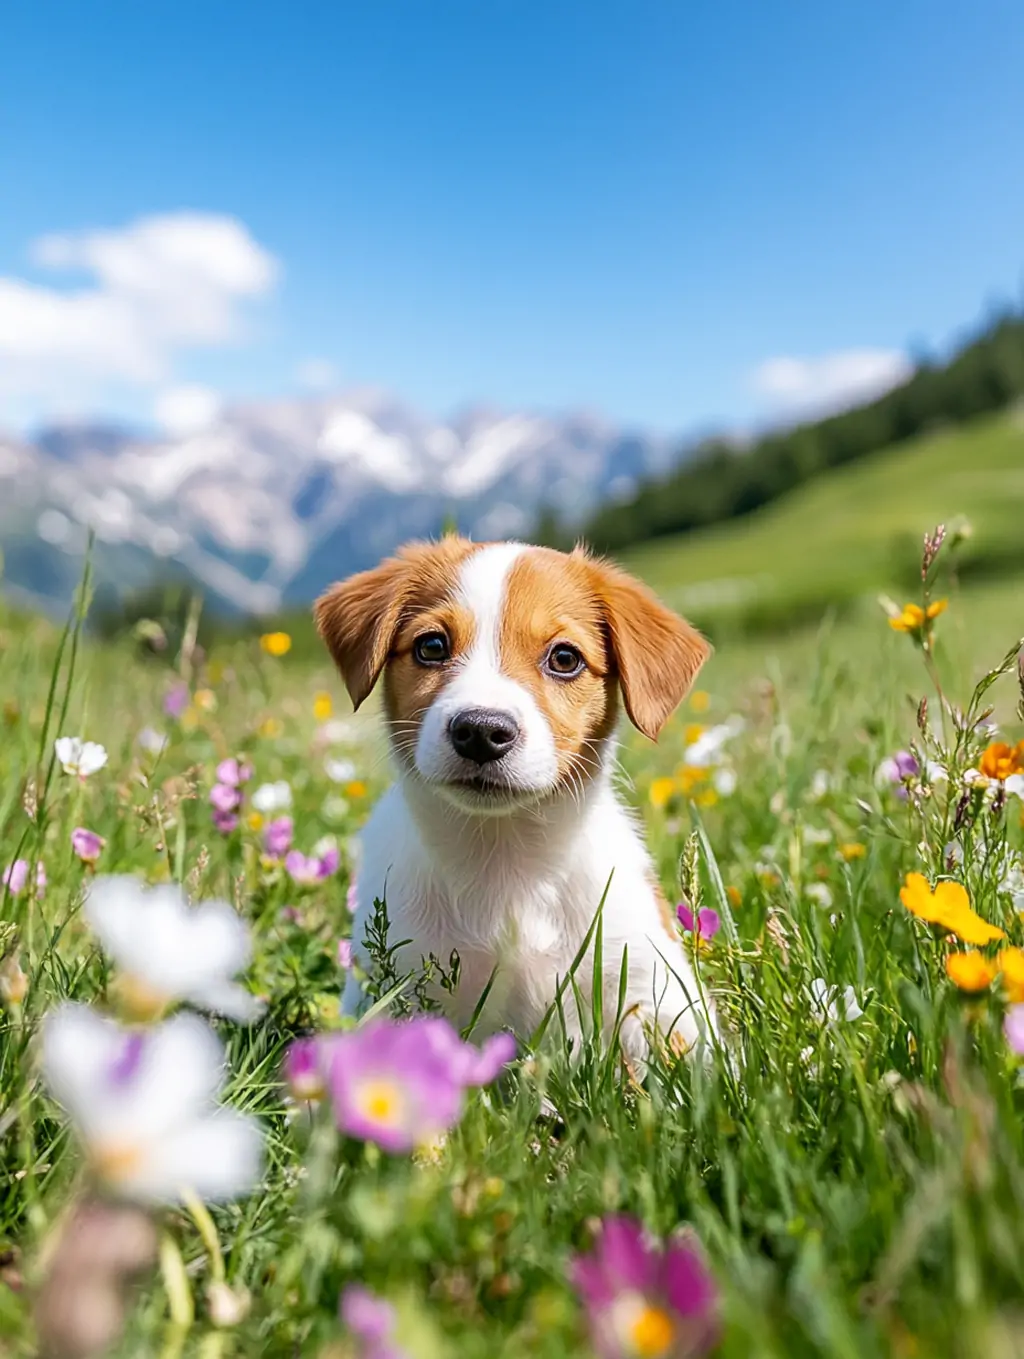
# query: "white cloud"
[318,375]
[157,287]
[830,381]
[186,410]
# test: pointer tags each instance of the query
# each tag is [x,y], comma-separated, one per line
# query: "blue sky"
[650,208]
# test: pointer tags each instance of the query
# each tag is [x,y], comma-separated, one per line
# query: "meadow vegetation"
[850,1165]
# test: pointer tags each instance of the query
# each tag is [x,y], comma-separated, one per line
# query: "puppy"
[503,669]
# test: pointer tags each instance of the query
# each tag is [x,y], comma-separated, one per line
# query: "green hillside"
[851,532]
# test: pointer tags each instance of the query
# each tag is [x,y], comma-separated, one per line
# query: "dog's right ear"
[358,619]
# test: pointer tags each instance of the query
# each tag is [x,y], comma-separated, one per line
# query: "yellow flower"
[205,700]
[706,797]
[913,618]
[693,732]
[949,907]
[357,788]
[271,728]
[322,706]
[735,896]
[276,643]
[1000,760]
[254,821]
[189,718]
[700,700]
[853,849]
[1011,965]
[690,777]
[661,791]
[971,971]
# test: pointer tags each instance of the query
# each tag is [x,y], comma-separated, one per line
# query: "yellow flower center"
[381,1102]
[115,1162]
[137,1000]
[643,1329]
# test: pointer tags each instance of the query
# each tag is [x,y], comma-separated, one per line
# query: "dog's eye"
[564,661]
[431,648]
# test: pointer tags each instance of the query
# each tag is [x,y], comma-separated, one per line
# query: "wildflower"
[13,982]
[401,1083]
[708,747]
[176,700]
[339,771]
[851,850]
[661,791]
[233,773]
[79,757]
[344,954]
[1000,761]
[205,700]
[15,878]
[827,1001]
[1010,963]
[912,618]
[971,971]
[1013,1028]
[820,784]
[153,742]
[271,728]
[820,893]
[735,896]
[272,797]
[899,769]
[355,789]
[949,907]
[371,1320]
[644,1302]
[277,837]
[700,700]
[276,643]
[168,951]
[339,731]
[224,797]
[323,707]
[87,844]
[307,871]
[225,822]
[304,1069]
[707,923]
[144,1105]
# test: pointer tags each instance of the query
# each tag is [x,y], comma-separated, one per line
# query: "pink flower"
[233,773]
[87,844]
[642,1299]
[329,861]
[303,871]
[345,954]
[277,837]
[708,921]
[304,1069]
[1013,1028]
[225,822]
[225,797]
[176,700]
[372,1321]
[15,878]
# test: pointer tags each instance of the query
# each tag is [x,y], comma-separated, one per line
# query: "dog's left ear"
[358,619]
[657,654]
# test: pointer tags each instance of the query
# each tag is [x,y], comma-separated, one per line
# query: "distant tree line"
[720,479]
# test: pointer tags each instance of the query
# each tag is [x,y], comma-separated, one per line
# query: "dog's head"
[503,663]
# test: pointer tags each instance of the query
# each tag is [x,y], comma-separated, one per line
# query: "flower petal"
[217,1155]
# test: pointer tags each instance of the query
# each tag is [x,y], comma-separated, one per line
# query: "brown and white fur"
[503,853]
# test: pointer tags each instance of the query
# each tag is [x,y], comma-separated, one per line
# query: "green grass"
[850,533]
[859,1188]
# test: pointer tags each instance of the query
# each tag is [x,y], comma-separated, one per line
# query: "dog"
[504,667]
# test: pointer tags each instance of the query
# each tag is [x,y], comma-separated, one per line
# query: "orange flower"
[948,906]
[971,971]
[1000,760]
[913,618]
[1011,965]
[852,850]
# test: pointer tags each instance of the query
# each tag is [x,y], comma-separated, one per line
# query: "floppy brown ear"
[358,619]
[657,653]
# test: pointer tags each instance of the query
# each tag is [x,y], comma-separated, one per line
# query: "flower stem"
[176,1284]
[199,1214]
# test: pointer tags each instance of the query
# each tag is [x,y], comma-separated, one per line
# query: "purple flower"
[233,773]
[303,871]
[708,922]
[329,862]
[371,1320]
[87,844]
[176,700]
[304,1069]
[224,797]
[225,822]
[1013,1028]
[345,954]
[15,878]
[401,1083]
[898,769]
[277,837]
[643,1300]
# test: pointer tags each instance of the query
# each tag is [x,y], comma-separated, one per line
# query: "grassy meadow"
[854,1169]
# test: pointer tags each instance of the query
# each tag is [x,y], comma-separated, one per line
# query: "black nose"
[483,734]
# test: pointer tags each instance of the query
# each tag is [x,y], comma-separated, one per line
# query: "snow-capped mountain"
[278,498]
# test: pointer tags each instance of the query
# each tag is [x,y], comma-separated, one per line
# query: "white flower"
[827,1001]
[339,771]
[340,731]
[335,808]
[1015,786]
[79,757]
[724,781]
[1012,883]
[819,893]
[168,951]
[152,741]
[820,784]
[707,749]
[814,836]
[272,797]
[145,1106]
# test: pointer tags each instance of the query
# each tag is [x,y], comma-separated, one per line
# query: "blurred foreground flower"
[272,797]
[87,845]
[971,972]
[644,1302]
[398,1083]
[307,870]
[372,1321]
[949,907]
[176,700]
[79,757]
[831,1003]
[15,878]
[144,1105]
[277,837]
[276,643]
[168,951]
